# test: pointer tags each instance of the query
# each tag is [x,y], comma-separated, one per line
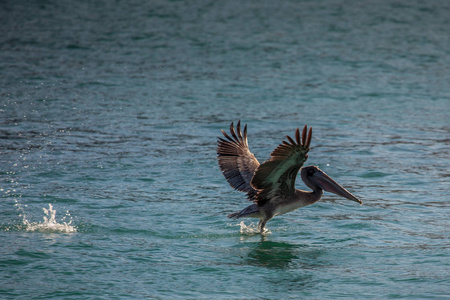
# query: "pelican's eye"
[310,173]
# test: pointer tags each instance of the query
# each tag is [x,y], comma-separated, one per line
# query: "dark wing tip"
[297,136]
[238,129]
[233,133]
[304,135]
[245,134]
[226,136]
[308,140]
[290,140]
[304,140]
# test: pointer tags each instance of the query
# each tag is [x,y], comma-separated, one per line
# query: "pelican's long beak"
[326,183]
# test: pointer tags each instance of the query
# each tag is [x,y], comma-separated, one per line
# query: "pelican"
[271,185]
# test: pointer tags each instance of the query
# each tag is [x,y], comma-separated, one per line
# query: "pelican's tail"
[249,211]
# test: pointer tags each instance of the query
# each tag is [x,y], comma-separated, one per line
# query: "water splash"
[49,225]
[252,229]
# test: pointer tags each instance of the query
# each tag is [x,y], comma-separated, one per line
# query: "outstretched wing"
[277,175]
[237,163]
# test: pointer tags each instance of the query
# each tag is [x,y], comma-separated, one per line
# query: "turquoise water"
[109,114]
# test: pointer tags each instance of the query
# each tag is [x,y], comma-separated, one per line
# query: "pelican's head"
[315,178]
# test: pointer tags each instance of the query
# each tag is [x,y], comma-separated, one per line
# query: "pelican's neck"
[309,198]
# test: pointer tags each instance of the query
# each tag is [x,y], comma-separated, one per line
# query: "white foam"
[251,229]
[50,225]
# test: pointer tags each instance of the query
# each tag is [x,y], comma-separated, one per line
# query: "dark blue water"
[109,113]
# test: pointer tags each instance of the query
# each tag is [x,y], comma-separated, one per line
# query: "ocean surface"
[109,117]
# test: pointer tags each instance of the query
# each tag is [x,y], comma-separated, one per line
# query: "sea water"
[109,115]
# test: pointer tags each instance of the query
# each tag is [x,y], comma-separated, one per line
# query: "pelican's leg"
[261,225]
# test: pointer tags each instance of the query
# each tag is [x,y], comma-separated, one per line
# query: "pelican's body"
[271,185]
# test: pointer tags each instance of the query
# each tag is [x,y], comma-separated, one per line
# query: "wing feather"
[277,175]
[236,162]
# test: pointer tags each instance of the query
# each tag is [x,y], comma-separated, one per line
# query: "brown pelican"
[271,185]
